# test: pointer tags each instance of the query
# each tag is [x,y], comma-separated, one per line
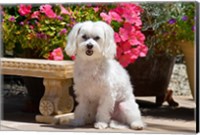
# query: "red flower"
[73,57]
[24,10]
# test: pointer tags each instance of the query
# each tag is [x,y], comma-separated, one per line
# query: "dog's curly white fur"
[102,86]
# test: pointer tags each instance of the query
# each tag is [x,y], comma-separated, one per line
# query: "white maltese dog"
[102,86]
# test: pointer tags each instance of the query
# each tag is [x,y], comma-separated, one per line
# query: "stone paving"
[163,119]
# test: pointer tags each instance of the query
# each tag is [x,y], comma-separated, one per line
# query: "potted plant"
[184,29]
[161,38]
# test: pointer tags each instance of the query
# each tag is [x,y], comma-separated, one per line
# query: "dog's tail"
[117,125]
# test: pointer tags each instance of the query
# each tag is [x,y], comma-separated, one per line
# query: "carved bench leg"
[56,100]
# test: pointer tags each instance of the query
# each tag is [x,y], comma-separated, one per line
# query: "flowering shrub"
[43,29]
[184,23]
[126,21]
[40,29]
[166,23]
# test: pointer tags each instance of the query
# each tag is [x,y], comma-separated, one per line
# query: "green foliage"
[166,23]
[43,34]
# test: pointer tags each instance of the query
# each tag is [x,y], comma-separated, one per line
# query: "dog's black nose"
[89,46]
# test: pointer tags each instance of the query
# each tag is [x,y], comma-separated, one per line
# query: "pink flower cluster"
[56,54]
[129,38]
[46,9]
[24,9]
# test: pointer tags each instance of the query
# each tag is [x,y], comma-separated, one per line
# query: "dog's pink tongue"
[89,52]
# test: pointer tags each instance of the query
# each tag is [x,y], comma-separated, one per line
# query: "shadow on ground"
[151,109]
[13,110]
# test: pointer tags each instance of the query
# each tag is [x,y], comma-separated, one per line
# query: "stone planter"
[150,77]
[188,51]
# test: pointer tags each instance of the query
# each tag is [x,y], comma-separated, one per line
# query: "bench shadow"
[13,110]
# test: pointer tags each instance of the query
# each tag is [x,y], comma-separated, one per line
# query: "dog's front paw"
[137,125]
[100,125]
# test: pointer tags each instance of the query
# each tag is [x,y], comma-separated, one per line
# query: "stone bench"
[56,101]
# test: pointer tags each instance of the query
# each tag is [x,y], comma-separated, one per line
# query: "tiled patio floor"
[158,119]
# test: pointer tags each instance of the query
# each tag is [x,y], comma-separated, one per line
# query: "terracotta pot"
[188,50]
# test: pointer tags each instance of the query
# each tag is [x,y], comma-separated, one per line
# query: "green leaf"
[52,28]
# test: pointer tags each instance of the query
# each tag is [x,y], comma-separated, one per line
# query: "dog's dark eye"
[96,38]
[85,37]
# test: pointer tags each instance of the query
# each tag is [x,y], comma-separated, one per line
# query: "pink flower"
[118,10]
[21,23]
[129,12]
[129,27]
[96,9]
[59,17]
[111,16]
[140,36]
[64,11]
[126,46]
[35,14]
[56,54]
[31,26]
[106,17]
[132,17]
[129,38]
[117,37]
[47,9]
[115,16]
[136,38]
[24,10]
[133,39]
[63,31]
[119,52]
[123,34]
[143,50]
[126,59]
[12,19]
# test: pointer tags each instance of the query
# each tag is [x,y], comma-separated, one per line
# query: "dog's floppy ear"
[72,40]
[109,49]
